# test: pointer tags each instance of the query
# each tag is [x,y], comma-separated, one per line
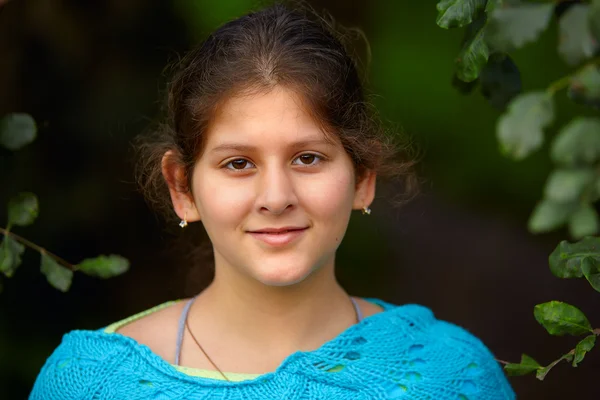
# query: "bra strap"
[359,314]
[181,329]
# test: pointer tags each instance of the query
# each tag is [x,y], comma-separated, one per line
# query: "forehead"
[250,104]
[275,116]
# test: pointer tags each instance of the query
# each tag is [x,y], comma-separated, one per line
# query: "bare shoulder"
[157,330]
[367,307]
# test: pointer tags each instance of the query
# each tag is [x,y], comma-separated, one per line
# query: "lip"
[278,236]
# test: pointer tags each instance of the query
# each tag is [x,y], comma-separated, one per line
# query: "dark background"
[91,73]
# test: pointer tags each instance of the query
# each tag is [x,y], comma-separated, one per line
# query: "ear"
[365,190]
[181,194]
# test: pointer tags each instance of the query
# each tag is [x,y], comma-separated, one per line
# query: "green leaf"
[568,356]
[17,130]
[576,42]
[57,275]
[578,142]
[591,270]
[561,318]
[585,86]
[582,348]
[526,366]
[512,26]
[473,55]
[492,5]
[565,261]
[542,372]
[500,80]
[458,13]
[520,129]
[549,215]
[594,20]
[583,222]
[567,185]
[104,266]
[10,255]
[23,209]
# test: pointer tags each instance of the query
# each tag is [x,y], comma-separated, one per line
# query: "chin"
[278,275]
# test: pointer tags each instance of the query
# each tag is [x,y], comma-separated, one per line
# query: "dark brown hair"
[277,46]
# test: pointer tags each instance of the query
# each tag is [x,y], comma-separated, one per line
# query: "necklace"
[187,325]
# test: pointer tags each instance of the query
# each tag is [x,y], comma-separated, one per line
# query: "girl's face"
[274,195]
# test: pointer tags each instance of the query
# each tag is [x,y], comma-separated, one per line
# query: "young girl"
[270,144]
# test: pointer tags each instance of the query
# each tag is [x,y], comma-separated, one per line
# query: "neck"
[302,316]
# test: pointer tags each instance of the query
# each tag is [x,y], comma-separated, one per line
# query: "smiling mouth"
[278,237]
[278,232]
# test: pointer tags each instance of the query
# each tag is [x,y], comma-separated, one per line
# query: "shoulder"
[155,328]
[86,359]
[433,353]
[367,307]
[77,365]
[471,362]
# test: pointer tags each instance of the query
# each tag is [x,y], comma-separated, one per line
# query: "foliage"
[17,131]
[520,130]
[493,29]
[562,319]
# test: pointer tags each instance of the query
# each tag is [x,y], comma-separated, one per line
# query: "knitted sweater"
[400,353]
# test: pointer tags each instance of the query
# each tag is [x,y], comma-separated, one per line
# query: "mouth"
[278,236]
[275,231]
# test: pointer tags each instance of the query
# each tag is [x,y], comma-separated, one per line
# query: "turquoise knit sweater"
[400,353]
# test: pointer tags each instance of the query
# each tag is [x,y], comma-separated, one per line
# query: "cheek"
[331,197]
[219,202]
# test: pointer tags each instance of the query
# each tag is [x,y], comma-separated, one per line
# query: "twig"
[42,250]
[566,80]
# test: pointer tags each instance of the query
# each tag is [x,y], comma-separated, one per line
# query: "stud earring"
[183,222]
[366,210]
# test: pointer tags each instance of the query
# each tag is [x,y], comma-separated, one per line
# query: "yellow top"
[204,373]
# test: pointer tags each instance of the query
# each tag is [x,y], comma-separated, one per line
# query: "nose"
[276,191]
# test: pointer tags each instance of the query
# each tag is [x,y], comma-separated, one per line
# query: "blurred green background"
[91,74]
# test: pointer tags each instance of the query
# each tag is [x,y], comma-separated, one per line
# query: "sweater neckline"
[212,374]
[172,370]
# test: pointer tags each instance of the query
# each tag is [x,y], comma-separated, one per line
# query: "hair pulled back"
[276,46]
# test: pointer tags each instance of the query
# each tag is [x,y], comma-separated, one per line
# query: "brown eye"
[307,159]
[239,164]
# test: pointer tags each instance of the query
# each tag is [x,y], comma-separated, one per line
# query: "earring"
[183,222]
[366,210]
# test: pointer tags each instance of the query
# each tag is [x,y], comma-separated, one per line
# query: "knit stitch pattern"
[400,353]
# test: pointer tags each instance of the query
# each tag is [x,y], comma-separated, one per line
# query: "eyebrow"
[249,148]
